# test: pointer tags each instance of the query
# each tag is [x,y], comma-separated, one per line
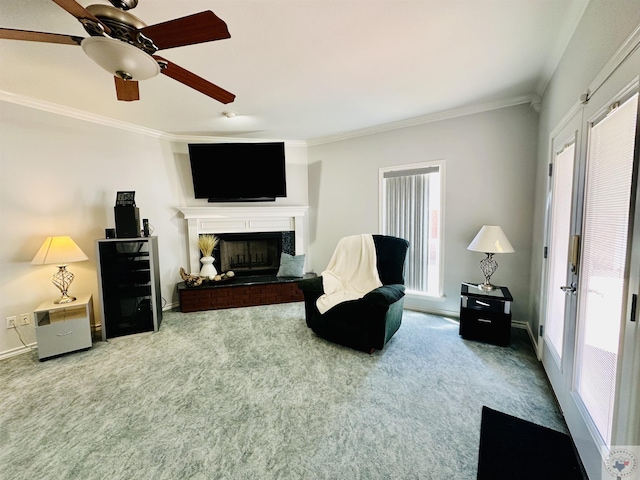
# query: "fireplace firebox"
[252,253]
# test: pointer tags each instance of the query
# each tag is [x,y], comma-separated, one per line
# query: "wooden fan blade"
[29,35]
[127,91]
[194,81]
[198,28]
[78,11]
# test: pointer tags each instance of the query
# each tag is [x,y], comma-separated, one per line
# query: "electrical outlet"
[25,318]
[11,322]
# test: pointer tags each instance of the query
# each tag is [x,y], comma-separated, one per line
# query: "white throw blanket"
[351,272]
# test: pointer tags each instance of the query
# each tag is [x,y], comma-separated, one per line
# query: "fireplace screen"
[250,254]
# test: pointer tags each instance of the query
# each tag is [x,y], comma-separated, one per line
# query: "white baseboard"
[456,316]
[17,351]
[433,311]
[534,340]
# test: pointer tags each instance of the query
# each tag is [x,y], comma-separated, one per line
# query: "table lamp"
[490,239]
[60,251]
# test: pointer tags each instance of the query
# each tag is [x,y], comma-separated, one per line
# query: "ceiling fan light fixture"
[115,56]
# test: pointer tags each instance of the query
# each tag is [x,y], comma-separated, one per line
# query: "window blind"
[559,247]
[602,283]
[407,217]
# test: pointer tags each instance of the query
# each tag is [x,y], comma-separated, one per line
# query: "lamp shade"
[58,251]
[491,239]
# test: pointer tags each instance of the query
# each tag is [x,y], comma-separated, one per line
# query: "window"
[411,208]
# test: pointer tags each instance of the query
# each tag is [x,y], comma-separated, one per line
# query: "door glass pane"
[559,247]
[604,258]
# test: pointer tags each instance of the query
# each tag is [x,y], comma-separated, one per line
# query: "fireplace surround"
[289,222]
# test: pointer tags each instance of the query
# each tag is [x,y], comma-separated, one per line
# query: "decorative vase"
[208,270]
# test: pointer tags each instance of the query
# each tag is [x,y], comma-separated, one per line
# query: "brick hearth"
[240,292]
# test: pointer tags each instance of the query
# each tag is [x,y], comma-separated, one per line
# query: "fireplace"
[253,238]
[289,223]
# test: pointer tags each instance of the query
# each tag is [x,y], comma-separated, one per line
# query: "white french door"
[603,282]
[557,344]
[591,278]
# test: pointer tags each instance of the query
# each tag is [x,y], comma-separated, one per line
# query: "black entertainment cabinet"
[129,280]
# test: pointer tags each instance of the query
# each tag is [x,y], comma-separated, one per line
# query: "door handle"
[574,253]
[570,289]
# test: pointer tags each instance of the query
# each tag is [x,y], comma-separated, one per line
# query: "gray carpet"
[252,393]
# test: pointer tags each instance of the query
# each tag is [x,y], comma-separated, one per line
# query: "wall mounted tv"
[238,172]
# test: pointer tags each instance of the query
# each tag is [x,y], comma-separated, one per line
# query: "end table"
[64,327]
[485,316]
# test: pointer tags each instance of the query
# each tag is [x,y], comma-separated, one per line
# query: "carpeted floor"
[252,393]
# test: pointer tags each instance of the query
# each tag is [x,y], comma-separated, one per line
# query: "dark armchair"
[368,323]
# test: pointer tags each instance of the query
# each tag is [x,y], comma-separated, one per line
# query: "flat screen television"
[238,172]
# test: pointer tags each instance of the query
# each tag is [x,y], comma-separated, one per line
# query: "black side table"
[485,316]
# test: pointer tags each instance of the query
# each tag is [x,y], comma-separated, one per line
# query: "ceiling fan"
[126,47]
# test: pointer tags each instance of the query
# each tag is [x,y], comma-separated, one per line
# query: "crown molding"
[129,127]
[416,121]
[209,139]
[109,122]
[77,114]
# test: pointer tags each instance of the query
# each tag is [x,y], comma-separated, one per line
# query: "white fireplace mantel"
[243,220]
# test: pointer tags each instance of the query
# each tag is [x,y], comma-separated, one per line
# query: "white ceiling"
[305,69]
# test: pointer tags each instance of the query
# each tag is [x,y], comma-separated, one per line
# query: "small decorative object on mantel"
[206,244]
[190,280]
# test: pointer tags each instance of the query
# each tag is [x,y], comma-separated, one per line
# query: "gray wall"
[604,27]
[59,176]
[490,163]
